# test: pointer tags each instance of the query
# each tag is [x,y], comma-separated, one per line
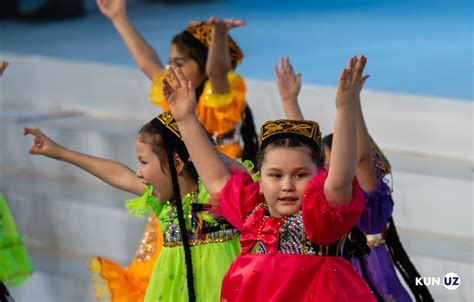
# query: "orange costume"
[220,114]
[117,284]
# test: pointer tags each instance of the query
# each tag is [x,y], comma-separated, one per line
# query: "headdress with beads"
[303,130]
[202,31]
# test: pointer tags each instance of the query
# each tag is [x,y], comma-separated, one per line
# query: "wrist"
[293,99]
[119,18]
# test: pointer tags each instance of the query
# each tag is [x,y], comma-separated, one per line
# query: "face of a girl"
[284,176]
[151,173]
[189,67]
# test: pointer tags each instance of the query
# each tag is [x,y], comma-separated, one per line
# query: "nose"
[288,184]
[139,173]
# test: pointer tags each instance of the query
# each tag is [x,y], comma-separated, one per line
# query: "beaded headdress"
[305,130]
[202,31]
[167,126]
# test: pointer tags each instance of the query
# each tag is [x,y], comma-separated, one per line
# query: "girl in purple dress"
[386,250]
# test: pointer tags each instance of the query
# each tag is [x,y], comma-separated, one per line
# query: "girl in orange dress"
[221,105]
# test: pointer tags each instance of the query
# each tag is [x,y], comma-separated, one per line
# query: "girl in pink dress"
[293,221]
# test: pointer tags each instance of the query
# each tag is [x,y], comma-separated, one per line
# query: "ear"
[260,190]
[178,163]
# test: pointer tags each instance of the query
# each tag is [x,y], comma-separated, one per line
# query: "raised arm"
[342,166]
[143,54]
[218,59]
[181,99]
[3,66]
[110,172]
[289,86]
[365,170]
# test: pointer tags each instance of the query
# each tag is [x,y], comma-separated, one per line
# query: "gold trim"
[200,241]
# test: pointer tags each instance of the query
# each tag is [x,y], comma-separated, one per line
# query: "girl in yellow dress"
[221,105]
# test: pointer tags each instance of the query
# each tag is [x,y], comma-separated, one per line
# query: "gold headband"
[203,33]
[383,165]
[167,120]
[302,128]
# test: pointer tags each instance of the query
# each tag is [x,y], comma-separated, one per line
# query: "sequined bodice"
[286,235]
[201,229]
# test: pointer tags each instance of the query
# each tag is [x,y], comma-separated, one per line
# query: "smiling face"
[284,175]
[152,170]
[190,67]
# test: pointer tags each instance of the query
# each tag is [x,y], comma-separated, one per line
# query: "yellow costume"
[220,114]
[117,284]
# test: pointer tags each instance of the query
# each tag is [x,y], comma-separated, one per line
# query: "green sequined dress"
[214,245]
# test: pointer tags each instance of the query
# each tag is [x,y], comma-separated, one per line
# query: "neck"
[187,185]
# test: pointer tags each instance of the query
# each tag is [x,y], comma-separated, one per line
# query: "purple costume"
[379,266]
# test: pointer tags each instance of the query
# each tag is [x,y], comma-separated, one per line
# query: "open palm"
[111,8]
[179,94]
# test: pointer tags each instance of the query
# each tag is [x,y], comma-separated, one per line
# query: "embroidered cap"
[167,126]
[202,31]
[305,130]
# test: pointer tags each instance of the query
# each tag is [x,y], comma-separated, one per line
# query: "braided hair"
[171,144]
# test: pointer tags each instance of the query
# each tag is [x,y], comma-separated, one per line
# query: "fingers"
[358,69]
[3,66]
[275,70]
[183,82]
[34,131]
[362,81]
[174,78]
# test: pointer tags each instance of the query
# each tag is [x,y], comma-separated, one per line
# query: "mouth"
[288,199]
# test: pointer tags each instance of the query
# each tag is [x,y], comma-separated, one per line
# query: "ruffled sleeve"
[323,223]
[220,113]
[379,208]
[142,206]
[238,197]
[156,91]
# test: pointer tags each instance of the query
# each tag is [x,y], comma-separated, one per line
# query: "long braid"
[182,226]
[404,265]
[249,136]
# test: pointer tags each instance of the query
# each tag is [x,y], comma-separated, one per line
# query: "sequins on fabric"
[293,239]
[172,236]
[148,243]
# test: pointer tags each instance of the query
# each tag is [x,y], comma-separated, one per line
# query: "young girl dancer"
[294,220]
[210,66]
[386,249]
[111,281]
[189,269]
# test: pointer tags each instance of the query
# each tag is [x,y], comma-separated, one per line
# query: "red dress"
[293,258]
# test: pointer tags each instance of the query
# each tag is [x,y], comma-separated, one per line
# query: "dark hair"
[249,136]
[191,47]
[327,141]
[171,144]
[291,142]
[404,265]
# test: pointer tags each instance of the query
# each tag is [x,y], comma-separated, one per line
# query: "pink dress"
[294,258]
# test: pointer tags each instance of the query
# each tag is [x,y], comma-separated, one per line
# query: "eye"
[301,175]
[275,175]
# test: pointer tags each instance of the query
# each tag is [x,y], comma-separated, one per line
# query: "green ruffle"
[15,265]
[142,206]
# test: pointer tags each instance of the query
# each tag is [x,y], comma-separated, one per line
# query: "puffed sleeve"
[323,223]
[238,197]
[220,113]
[156,91]
[379,208]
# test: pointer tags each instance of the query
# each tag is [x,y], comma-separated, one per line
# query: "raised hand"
[288,83]
[351,82]
[227,24]
[180,94]
[42,144]
[112,8]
